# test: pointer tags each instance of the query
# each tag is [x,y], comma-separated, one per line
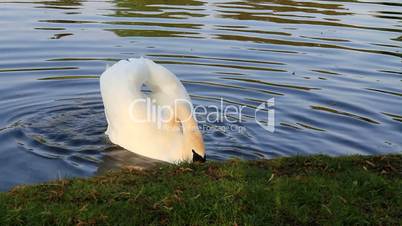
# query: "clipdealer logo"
[147,110]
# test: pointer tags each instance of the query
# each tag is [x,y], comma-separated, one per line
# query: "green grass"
[353,190]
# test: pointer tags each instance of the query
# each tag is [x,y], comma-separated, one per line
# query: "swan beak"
[198,158]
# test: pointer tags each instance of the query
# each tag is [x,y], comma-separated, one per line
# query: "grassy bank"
[295,191]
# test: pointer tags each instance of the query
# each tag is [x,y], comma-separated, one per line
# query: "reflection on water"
[334,68]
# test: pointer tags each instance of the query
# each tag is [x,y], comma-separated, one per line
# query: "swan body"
[171,135]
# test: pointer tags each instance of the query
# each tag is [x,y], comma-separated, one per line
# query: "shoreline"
[301,190]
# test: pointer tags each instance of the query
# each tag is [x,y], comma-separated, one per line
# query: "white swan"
[157,125]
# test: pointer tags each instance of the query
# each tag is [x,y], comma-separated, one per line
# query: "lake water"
[333,68]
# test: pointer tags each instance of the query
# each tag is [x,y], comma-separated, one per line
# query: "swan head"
[194,148]
[196,144]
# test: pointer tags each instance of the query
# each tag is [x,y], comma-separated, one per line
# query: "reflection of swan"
[158,124]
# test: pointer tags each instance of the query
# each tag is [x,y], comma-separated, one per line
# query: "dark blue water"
[333,67]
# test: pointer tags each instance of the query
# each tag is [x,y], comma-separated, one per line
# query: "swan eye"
[145,89]
[181,128]
[198,158]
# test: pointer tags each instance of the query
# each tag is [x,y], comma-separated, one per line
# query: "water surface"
[333,67]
